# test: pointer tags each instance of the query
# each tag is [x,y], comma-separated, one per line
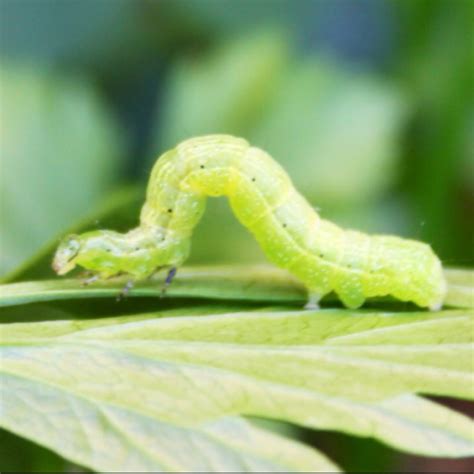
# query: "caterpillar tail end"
[437,304]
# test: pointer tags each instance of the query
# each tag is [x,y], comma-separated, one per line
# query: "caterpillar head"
[65,257]
[103,252]
[106,253]
[98,251]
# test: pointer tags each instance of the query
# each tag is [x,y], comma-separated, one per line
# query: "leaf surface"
[179,377]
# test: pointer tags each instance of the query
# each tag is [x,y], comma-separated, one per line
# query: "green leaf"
[51,173]
[255,283]
[351,371]
[245,283]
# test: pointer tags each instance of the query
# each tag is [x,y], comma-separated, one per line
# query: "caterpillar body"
[322,255]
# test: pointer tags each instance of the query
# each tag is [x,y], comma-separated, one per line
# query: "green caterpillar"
[322,255]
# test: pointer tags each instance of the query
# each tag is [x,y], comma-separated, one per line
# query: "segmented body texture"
[293,236]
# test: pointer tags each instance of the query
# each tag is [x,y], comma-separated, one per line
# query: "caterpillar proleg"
[322,255]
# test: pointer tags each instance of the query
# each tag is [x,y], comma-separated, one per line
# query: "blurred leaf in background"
[60,153]
[436,64]
[52,32]
[337,130]
[226,91]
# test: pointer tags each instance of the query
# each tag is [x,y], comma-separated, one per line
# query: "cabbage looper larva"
[322,255]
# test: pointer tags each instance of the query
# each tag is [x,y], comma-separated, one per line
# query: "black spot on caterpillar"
[291,233]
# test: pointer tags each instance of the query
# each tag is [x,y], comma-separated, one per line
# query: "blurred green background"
[367,103]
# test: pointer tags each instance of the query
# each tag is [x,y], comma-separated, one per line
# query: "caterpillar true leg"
[169,278]
[313,301]
[292,235]
[125,290]
[435,306]
[90,280]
